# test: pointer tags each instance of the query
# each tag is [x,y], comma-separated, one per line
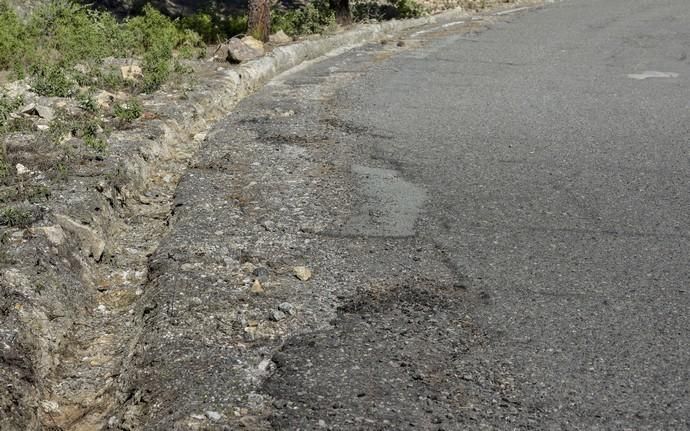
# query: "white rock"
[253,43]
[131,72]
[92,243]
[302,272]
[21,169]
[280,37]
[214,416]
[55,234]
[50,406]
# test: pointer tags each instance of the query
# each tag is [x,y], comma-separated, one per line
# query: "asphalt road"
[545,158]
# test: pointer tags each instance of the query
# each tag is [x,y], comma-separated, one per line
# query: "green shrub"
[408,8]
[392,9]
[52,80]
[61,33]
[129,111]
[234,25]
[213,27]
[315,17]
[13,46]
[76,32]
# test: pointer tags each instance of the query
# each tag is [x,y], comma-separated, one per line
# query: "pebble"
[21,169]
[214,416]
[261,273]
[277,315]
[287,308]
[302,272]
[256,287]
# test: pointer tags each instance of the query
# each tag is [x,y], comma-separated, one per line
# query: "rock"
[254,43]
[248,422]
[104,99]
[199,137]
[22,170]
[45,112]
[17,88]
[238,51]
[91,241]
[214,416]
[322,423]
[302,272]
[280,38]
[261,273]
[38,110]
[55,234]
[401,43]
[50,406]
[288,308]
[82,68]
[256,287]
[131,72]
[277,315]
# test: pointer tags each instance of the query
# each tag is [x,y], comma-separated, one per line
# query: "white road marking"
[652,74]
[417,33]
[506,12]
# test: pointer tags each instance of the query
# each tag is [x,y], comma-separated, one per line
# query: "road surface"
[497,216]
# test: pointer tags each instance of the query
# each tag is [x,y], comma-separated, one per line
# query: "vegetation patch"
[386,10]
[128,112]
[15,217]
[315,17]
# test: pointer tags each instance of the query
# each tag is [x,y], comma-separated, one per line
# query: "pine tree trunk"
[343,16]
[259,19]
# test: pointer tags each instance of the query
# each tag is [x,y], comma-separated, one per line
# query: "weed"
[62,171]
[15,217]
[129,111]
[97,143]
[87,103]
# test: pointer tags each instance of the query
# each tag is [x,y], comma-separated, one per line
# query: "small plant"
[95,142]
[15,217]
[129,111]
[87,103]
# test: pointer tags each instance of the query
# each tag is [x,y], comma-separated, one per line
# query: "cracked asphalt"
[496,217]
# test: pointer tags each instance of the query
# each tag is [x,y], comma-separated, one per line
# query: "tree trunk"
[259,19]
[343,16]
